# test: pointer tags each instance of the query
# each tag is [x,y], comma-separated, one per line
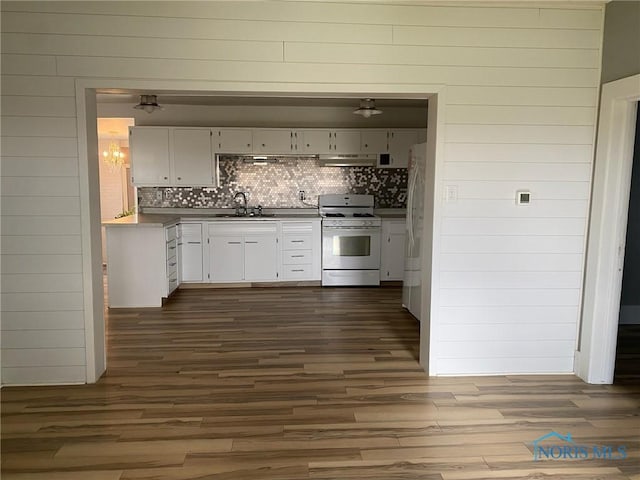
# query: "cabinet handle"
[298,270]
[172,264]
[172,248]
[297,256]
[248,144]
[193,243]
[233,243]
[308,145]
[250,242]
[263,145]
[297,241]
[173,280]
[366,145]
[179,178]
[166,178]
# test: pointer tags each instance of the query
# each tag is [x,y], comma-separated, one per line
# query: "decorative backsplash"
[277,185]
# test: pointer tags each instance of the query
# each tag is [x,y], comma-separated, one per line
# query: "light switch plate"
[451,193]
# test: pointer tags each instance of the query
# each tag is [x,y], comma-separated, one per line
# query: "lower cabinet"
[243,251]
[190,256]
[392,249]
[301,243]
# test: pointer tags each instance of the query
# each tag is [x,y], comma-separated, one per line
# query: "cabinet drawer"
[172,283]
[170,233]
[296,272]
[172,267]
[297,242]
[171,248]
[296,257]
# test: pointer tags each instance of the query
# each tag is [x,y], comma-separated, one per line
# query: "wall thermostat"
[523,197]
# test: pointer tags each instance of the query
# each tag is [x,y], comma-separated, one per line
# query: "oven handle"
[341,229]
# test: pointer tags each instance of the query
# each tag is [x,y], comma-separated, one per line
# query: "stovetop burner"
[334,214]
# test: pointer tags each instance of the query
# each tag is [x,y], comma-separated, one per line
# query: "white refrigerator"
[418,231]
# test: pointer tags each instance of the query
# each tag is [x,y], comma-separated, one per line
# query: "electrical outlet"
[301,195]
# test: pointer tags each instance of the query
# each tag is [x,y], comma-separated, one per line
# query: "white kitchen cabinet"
[400,142]
[190,256]
[233,140]
[171,156]
[374,140]
[192,159]
[392,249]
[243,251]
[273,141]
[142,265]
[150,155]
[314,141]
[301,250]
[346,141]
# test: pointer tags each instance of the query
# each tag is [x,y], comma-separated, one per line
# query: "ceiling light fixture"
[149,103]
[367,108]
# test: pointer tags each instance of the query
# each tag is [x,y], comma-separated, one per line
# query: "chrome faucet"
[241,210]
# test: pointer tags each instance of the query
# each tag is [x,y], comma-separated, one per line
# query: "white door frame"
[95,351]
[595,358]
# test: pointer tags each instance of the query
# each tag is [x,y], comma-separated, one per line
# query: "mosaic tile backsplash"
[277,185]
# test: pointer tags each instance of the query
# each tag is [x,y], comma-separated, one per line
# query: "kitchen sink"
[232,215]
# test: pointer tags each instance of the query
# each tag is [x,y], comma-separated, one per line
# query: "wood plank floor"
[302,383]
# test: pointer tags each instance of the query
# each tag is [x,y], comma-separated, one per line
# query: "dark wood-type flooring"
[302,383]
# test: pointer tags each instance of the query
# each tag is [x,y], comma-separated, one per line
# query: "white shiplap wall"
[521,92]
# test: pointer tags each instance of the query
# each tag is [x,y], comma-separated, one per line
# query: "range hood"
[348,160]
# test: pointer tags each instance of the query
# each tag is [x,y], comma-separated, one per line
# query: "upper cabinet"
[374,140]
[171,156]
[233,140]
[399,143]
[310,141]
[277,140]
[346,141]
[149,149]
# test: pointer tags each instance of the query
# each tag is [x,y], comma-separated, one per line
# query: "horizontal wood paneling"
[510,349]
[41,244]
[63,320]
[488,37]
[523,115]
[38,127]
[194,28]
[441,55]
[547,172]
[510,262]
[43,339]
[103,46]
[41,264]
[501,208]
[43,374]
[15,205]
[217,70]
[40,282]
[27,65]
[40,186]
[33,357]
[39,166]
[41,86]
[36,146]
[510,280]
[526,153]
[38,106]
[506,189]
[41,225]
[506,333]
[513,226]
[533,315]
[586,17]
[512,244]
[517,297]
[41,302]
[488,366]
[522,95]
[545,134]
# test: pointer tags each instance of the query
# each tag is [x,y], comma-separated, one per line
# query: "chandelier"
[113,156]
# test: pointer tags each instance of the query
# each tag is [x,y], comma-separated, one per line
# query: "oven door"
[350,248]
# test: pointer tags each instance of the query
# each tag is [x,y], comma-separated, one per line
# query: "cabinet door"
[373,140]
[192,159]
[392,250]
[272,141]
[150,163]
[399,143]
[234,140]
[190,252]
[260,257]
[226,258]
[314,141]
[346,141]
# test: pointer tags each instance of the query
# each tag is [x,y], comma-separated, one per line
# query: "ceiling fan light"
[367,108]
[148,103]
